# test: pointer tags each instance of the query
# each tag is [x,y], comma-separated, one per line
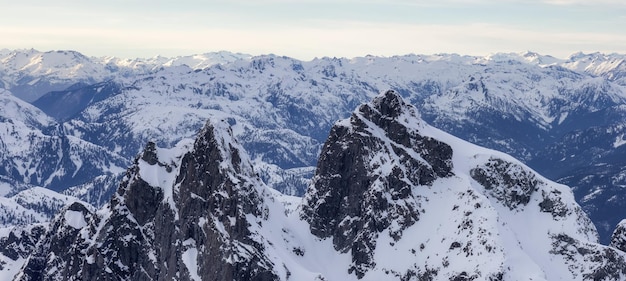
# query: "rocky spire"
[367,169]
[178,213]
[59,255]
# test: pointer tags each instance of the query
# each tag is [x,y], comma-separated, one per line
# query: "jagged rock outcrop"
[171,211]
[618,240]
[363,180]
[378,185]
[59,254]
[18,244]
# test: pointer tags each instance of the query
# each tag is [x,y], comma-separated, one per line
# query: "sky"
[305,29]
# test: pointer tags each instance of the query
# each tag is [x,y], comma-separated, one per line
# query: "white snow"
[158,176]
[75,219]
[5,189]
[11,267]
[190,259]
[619,141]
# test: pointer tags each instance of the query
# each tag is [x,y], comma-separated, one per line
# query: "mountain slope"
[392,199]
[450,210]
[62,105]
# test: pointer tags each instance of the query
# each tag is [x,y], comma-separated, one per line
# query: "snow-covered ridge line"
[58,70]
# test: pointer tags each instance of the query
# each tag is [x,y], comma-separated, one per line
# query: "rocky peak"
[20,242]
[149,154]
[365,176]
[389,104]
[179,213]
[59,254]
[218,193]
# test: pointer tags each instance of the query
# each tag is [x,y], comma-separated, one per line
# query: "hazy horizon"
[316,28]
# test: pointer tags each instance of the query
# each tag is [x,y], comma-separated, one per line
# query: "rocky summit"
[392,198]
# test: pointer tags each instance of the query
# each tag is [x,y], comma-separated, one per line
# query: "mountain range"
[391,199]
[90,116]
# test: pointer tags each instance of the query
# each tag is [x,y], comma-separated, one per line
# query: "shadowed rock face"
[507,182]
[60,250]
[618,240]
[349,200]
[225,195]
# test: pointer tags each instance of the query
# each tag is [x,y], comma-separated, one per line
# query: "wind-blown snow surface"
[468,213]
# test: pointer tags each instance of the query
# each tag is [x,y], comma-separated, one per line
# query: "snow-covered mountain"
[612,66]
[561,116]
[392,199]
[29,74]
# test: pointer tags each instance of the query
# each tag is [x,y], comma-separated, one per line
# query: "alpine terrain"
[70,125]
[392,198]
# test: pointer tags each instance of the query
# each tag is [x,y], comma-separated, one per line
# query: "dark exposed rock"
[227,195]
[21,241]
[58,255]
[149,228]
[607,263]
[150,154]
[349,198]
[618,240]
[510,183]
[554,205]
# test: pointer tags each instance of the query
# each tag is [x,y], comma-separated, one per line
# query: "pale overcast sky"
[305,29]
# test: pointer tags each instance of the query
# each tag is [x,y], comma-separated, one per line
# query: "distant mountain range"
[89,117]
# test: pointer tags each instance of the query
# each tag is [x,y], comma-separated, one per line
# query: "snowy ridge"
[31,73]
[20,111]
[33,205]
[611,66]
